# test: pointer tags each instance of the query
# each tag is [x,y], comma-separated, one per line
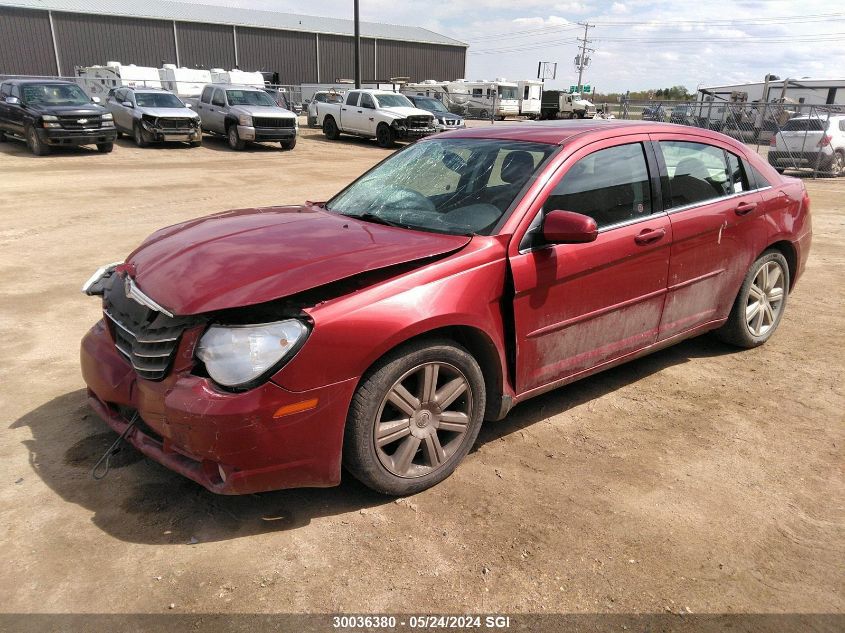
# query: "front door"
[578,306]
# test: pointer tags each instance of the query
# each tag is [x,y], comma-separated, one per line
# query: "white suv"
[814,141]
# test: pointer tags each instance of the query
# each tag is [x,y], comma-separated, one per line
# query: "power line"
[545,29]
[581,60]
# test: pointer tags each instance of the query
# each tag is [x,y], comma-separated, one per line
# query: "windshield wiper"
[377,219]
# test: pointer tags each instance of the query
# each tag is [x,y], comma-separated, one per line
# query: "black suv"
[47,113]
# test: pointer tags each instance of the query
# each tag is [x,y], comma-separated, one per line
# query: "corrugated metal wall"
[420,61]
[290,54]
[205,45]
[25,43]
[86,40]
[337,58]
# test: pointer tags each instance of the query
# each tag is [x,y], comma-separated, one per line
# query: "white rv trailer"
[497,98]
[235,76]
[456,99]
[97,81]
[806,90]
[185,82]
[530,96]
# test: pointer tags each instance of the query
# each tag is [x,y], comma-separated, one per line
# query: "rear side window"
[756,179]
[610,185]
[5,91]
[804,125]
[206,95]
[739,179]
[352,99]
[320,98]
[697,172]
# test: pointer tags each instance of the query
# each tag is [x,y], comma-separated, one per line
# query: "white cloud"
[618,7]
[572,7]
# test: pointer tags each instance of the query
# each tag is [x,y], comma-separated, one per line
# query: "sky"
[639,44]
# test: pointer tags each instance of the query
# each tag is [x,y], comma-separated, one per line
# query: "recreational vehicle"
[98,81]
[455,98]
[498,99]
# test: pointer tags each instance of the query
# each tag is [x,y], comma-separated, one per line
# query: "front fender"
[352,332]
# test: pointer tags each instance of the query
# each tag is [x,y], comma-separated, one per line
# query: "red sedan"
[260,349]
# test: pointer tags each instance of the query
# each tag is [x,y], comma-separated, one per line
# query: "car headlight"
[235,355]
[245,120]
[49,117]
[108,116]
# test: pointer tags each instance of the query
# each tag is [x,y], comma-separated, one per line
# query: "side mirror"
[566,227]
[95,99]
[13,101]
[127,104]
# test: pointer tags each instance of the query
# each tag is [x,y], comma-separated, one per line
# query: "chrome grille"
[92,121]
[148,339]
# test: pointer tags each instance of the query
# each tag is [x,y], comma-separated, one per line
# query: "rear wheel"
[414,417]
[385,136]
[288,144]
[484,114]
[759,306]
[105,148]
[837,164]
[35,144]
[330,129]
[235,141]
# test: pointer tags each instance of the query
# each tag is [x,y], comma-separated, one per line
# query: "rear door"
[349,113]
[217,111]
[717,228]
[579,306]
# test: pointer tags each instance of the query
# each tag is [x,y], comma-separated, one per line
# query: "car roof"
[33,80]
[560,131]
[235,86]
[145,89]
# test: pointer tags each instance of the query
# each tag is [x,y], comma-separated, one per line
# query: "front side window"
[249,98]
[697,172]
[456,186]
[206,94]
[54,94]
[218,99]
[611,186]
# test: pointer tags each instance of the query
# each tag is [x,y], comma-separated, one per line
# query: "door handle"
[649,236]
[744,208]
[360,111]
[344,109]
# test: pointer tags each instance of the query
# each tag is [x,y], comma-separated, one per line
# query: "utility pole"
[581,60]
[357,47]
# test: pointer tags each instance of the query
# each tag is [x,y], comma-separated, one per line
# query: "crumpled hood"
[404,111]
[174,113]
[252,256]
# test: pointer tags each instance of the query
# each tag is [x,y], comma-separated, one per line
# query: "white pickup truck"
[386,116]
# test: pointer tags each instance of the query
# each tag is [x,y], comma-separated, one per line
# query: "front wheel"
[235,141]
[139,136]
[385,136]
[414,417]
[105,148]
[288,144]
[759,306]
[36,145]
[330,129]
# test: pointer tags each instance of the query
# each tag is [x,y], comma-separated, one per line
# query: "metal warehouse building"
[49,37]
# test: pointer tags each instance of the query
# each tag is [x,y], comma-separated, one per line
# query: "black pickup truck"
[50,113]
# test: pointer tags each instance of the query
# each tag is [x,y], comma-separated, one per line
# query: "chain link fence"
[801,137]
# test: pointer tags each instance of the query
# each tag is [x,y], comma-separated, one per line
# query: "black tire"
[312,121]
[196,143]
[288,144]
[35,144]
[139,137]
[366,462]
[736,329]
[837,165]
[118,134]
[330,129]
[484,114]
[385,136]
[2,137]
[105,148]
[235,141]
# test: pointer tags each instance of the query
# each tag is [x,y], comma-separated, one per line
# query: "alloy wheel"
[765,299]
[423,420]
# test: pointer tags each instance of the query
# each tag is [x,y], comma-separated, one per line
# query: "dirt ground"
[698,479]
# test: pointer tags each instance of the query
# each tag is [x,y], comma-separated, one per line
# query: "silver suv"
[151,115]
[814,142]
[245,113]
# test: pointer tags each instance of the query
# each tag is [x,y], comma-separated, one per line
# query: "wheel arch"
[785,248]
[479,344]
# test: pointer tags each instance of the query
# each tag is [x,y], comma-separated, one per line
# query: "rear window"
[804,125]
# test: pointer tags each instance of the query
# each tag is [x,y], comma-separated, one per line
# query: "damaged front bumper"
[266,438]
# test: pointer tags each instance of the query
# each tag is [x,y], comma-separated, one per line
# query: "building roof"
[214,14]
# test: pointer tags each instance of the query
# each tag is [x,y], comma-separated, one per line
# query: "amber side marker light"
[298,407]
